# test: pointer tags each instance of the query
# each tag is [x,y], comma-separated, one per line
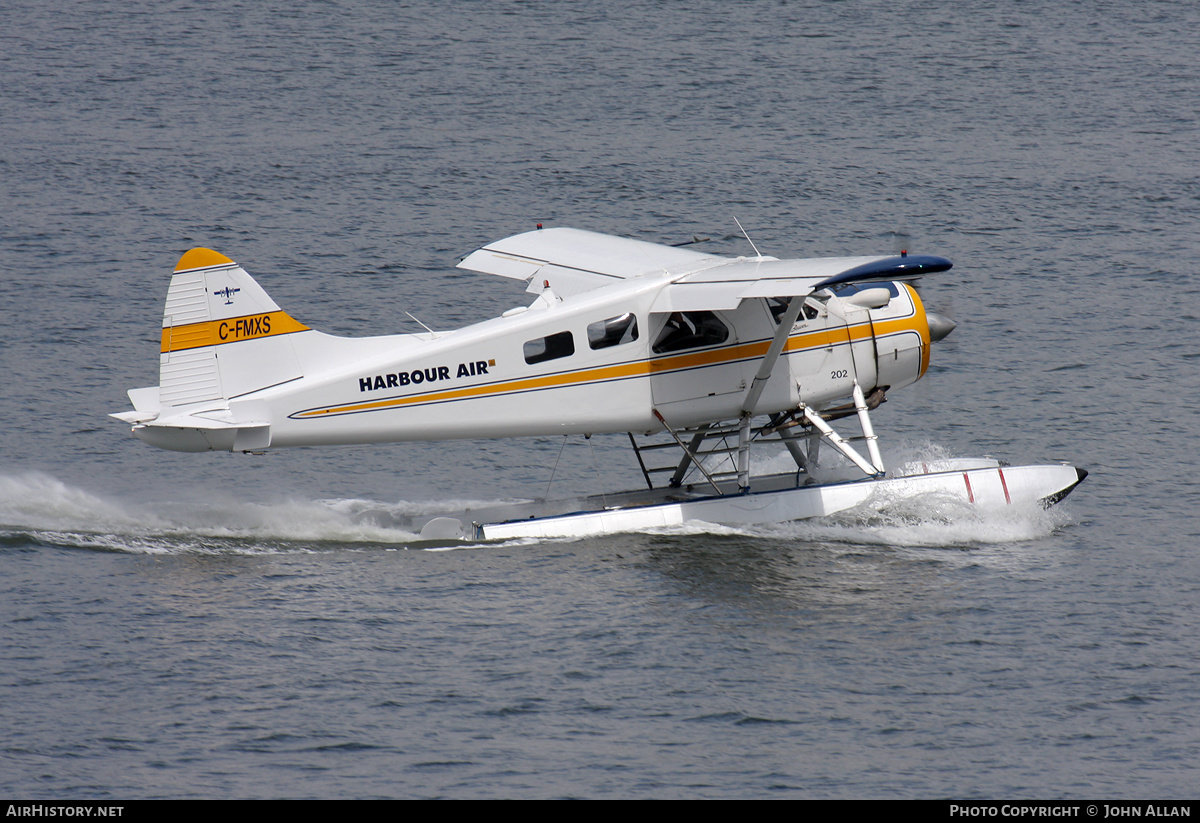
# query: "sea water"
[234,626]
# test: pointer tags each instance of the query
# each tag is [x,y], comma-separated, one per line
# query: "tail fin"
[222,335]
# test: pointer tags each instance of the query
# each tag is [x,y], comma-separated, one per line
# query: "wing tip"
[898,268]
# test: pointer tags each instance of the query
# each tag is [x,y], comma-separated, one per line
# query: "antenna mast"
[748,240]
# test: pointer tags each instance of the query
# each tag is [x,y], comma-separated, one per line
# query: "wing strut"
[772,356]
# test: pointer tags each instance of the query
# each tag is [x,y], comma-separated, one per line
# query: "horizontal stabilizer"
[146,405]
[214,430]
[134,417]
[204,440]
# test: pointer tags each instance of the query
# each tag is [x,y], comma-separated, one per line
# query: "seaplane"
[698,358]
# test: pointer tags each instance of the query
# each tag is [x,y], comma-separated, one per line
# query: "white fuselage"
[475,382]
[238,373]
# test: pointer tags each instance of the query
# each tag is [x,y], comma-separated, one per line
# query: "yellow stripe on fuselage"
[231,330]
[641,368]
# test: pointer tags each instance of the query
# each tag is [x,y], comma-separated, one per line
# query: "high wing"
[574,261]
[725,286]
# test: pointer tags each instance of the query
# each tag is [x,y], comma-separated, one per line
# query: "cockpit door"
[695,373]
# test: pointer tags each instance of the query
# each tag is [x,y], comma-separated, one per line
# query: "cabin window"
[690,330]
[549,348]
[613,332]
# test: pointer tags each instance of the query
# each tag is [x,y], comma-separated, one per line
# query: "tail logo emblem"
[228,292]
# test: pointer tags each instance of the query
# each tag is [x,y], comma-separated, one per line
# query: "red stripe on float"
[970,494]
[1004,483]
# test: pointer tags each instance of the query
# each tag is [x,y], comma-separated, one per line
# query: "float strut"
[840,444]
[688,452]
[743,455]
[864,420]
